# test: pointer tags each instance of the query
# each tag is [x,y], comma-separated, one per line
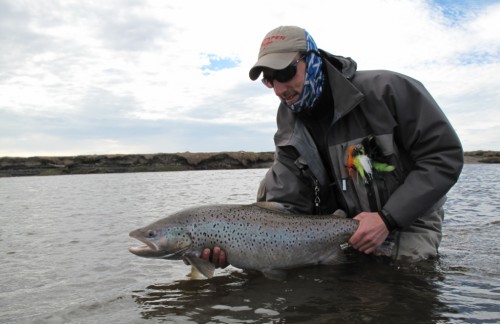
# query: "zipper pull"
[317,200]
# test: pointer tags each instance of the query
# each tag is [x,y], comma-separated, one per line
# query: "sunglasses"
[283,75]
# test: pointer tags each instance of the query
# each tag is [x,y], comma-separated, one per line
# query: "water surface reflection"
[367,290]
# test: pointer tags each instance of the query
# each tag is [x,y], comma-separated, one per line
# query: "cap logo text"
[269,40]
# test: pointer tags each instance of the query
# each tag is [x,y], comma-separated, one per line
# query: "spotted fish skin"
[253,236]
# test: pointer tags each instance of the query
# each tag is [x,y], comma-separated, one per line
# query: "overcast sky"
[137,76]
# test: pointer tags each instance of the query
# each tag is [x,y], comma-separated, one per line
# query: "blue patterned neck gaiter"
[313,85]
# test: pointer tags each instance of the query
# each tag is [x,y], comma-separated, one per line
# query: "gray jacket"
[389,115]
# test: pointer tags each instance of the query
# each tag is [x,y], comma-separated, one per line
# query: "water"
[64,241]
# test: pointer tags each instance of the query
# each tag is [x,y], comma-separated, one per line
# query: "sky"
[137,76]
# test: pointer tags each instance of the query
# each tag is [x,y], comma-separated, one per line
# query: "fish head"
[161,242]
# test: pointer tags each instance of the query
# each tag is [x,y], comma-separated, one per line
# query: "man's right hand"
[217,257]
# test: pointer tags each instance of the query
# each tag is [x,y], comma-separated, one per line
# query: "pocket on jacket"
[366,169]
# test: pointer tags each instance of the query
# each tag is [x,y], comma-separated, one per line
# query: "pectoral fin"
[204,267]
[194,274]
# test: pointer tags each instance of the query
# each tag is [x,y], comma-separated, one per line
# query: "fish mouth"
[151,250]
[148,250]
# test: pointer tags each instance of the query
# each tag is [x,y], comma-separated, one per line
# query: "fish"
[261,236]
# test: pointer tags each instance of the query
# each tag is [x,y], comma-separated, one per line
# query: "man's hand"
[370,234]
[217,257]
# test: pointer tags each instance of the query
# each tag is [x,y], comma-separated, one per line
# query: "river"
[64,250]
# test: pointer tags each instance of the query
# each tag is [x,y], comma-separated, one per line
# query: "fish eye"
[151,233]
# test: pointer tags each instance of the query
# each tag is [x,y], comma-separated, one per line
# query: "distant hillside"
[122,163]
[482,157]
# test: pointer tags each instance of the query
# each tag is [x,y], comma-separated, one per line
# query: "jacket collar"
[345,97]
[340,71]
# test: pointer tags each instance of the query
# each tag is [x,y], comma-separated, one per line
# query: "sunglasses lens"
[286,74]
[282,76]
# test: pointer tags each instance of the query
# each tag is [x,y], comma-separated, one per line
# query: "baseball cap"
[279,48]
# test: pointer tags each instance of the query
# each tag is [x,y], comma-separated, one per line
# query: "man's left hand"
[370,234]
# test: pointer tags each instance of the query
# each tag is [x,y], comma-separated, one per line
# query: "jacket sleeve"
[286,184]
[425,135]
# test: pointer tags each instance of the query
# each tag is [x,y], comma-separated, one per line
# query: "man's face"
[289,91]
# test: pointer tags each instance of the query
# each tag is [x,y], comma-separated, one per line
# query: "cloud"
[148,76]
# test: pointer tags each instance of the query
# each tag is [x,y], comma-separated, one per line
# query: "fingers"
[362,244]
[221,258]
[367,248]
[217,257]
[205,255]
[370,234]
[366,241]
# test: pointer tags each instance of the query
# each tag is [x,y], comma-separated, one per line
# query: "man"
[374,144]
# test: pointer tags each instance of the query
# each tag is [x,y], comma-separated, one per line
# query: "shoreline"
[127,163]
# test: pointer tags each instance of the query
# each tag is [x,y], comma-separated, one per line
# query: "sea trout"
[254,237]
